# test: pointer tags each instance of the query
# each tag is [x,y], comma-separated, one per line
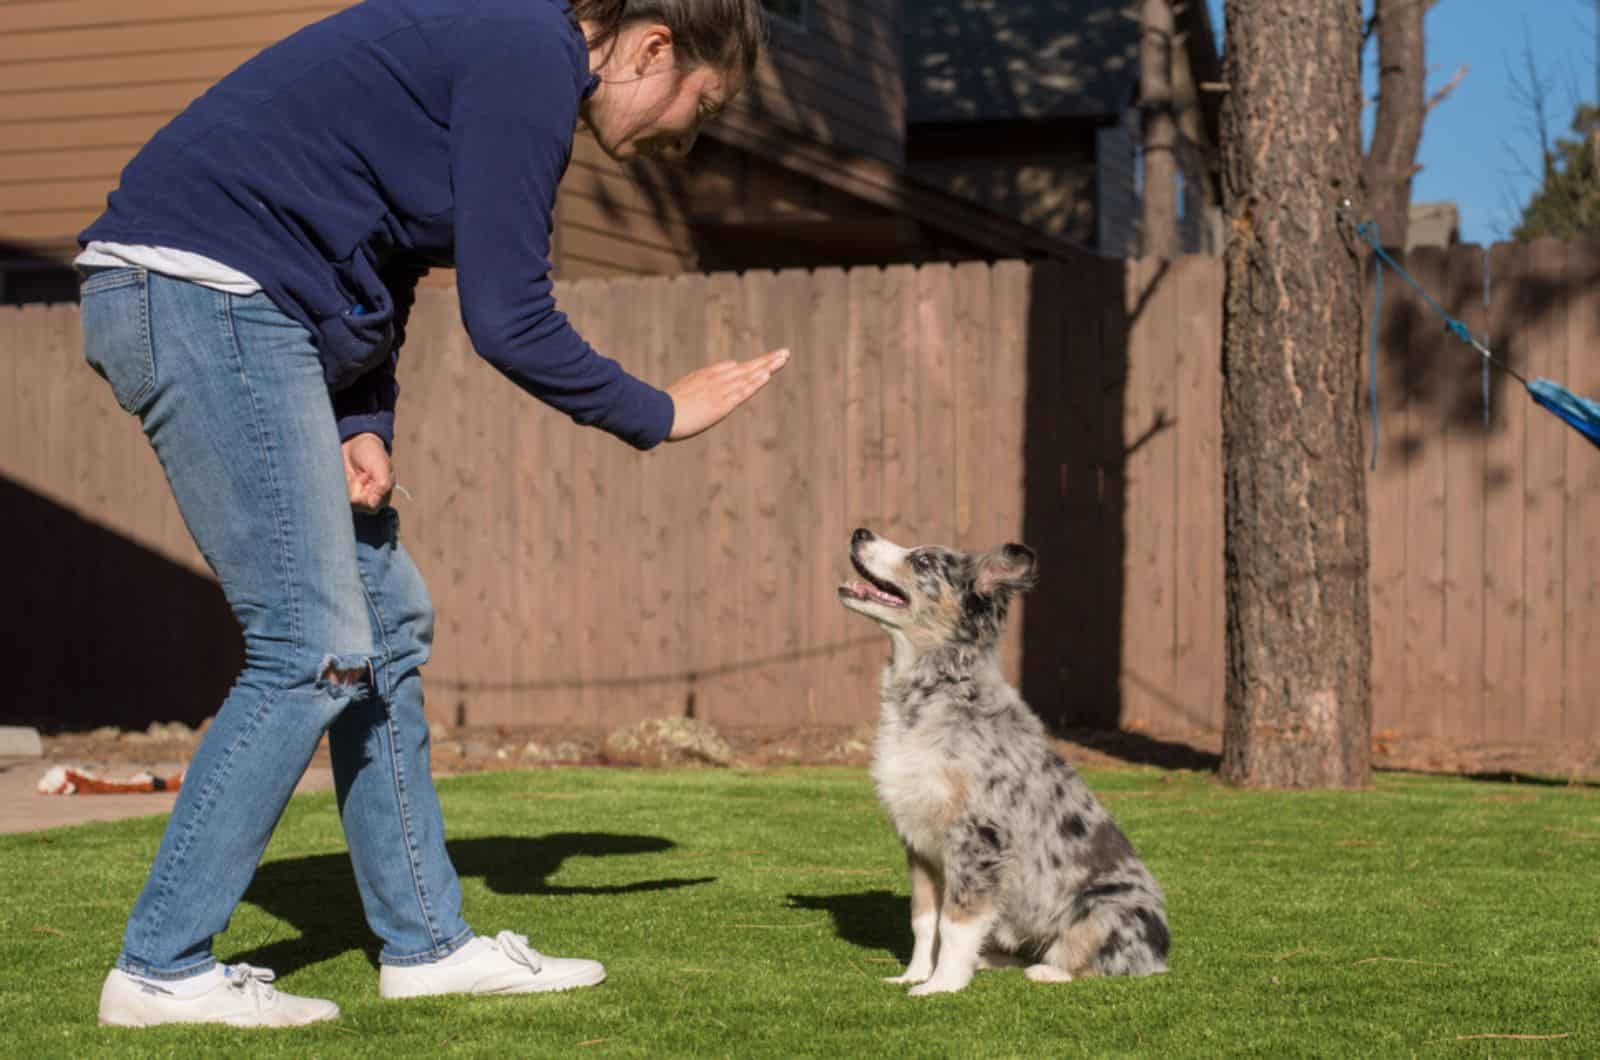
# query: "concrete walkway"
[23,809]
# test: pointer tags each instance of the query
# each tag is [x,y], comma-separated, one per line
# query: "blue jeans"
[336,619]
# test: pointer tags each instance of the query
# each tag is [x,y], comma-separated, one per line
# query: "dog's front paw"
[912,974]
[946,979]
[936,985]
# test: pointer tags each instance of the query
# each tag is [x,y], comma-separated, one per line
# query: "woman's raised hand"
[705,396]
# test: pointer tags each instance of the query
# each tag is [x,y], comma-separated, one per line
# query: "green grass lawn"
[753,913]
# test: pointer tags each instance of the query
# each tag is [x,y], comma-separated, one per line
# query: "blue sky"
[1478,146]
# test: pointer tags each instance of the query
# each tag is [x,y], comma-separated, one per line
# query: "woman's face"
[647,105]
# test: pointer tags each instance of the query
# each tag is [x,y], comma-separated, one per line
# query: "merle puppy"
[1013,860]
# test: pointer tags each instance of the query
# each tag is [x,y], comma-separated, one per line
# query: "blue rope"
[1368,231]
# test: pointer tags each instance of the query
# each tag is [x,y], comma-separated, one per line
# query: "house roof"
[997,60]
[892,188]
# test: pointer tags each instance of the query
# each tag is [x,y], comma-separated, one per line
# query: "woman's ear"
[1011,568]
[654,49]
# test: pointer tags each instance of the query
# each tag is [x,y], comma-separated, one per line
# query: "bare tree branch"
[1402,107]
[1449,87]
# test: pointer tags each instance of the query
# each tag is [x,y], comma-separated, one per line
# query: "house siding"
[1117,188]
[84,83]
[1045,181]
[836,80]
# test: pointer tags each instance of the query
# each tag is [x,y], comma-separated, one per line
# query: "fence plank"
[1552,474]
[839,700]
[1197,599]
[1462,413]
[901,445]
[1420,341]
[759,322]
[679,476]
[633,573]
[1000,354]
[934,504]
[1044,620]
[720,529]
[792,597]
[972,391]
[1513,477]
[866,489]
[1148,657]
[1582,575]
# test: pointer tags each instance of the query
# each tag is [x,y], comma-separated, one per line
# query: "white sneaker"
[241,997]
[505,964]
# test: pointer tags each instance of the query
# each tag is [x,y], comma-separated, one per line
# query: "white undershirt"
[179,264]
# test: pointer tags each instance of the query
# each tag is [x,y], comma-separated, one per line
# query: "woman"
[245,294]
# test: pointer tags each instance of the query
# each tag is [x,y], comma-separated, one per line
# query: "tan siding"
[628,256]
[48,167]
[35,136]
[20,80]
[615,220]
[146,15]
[101,42]
[83,83]
[837,82]
[1050,189]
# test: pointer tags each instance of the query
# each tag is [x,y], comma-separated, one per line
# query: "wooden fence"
[578,582]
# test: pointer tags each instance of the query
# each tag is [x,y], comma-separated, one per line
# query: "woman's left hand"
[368,473]
[701,399]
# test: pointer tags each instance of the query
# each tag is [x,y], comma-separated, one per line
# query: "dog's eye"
[921,562]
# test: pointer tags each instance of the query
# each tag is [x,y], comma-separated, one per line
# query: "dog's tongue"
[868,591]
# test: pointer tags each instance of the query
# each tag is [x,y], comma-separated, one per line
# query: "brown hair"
[725,34]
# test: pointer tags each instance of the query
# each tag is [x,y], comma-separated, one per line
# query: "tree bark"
[1397,126]
[1158,229]
[1299,648]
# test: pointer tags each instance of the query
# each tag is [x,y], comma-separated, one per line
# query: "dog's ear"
[1012,568]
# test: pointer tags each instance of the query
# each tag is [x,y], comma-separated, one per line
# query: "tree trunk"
[1299,648]
[1397,127]
[1158,229]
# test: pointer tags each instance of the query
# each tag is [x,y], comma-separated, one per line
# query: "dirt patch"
[475,749]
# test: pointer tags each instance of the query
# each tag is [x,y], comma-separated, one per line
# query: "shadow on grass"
[873,920]
[317,895]
[1137,748]
[1497,776]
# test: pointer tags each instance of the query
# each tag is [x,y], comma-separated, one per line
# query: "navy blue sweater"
[338,165]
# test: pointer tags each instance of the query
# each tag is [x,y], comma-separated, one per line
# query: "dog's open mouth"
[873,589]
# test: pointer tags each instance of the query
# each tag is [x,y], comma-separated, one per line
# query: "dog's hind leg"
[1047,973]
[990,957]
[925,895]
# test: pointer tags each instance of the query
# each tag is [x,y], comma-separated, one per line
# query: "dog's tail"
[1124,937]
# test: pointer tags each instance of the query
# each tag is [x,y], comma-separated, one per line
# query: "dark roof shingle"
[996,60]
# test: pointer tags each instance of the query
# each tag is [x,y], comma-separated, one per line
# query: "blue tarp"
[1581,413]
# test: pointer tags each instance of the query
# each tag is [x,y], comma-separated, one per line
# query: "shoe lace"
[516,947]
[252,980]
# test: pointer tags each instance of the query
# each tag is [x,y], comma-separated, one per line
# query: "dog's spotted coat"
[1012,858]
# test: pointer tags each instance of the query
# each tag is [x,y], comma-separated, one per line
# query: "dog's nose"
[861,537]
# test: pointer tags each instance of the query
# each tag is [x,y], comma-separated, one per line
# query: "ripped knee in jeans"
[346,676]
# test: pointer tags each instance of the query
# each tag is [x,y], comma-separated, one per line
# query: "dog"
[1013,860]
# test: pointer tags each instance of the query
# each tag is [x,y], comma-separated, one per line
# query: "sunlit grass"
[753,913]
